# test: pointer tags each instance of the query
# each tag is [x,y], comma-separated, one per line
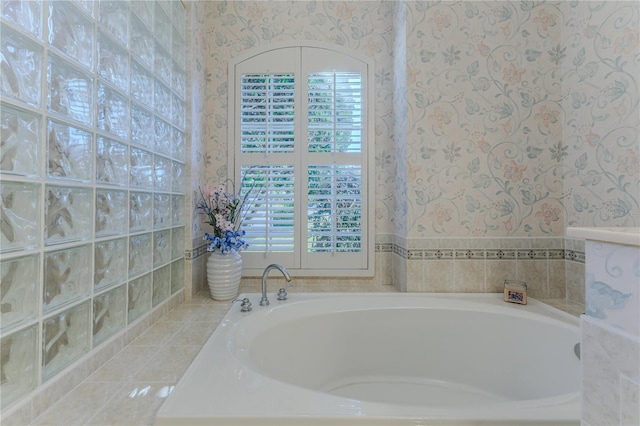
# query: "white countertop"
[616,235]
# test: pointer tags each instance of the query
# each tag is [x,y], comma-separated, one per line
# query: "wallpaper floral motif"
[493,119]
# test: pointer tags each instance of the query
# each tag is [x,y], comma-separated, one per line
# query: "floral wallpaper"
[523,117]
[600,111]
[493,119]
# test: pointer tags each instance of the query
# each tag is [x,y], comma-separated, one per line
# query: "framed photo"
[515,296]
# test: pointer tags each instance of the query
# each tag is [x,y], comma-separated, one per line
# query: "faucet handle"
[282,293]
[245,305]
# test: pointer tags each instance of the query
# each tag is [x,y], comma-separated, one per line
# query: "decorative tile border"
[489,254]
[195,253]
[457,254]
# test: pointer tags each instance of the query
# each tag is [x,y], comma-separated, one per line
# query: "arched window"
[301,141]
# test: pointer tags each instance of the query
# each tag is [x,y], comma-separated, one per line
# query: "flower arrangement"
[224,212]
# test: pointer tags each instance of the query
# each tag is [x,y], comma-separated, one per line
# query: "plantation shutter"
[300,149]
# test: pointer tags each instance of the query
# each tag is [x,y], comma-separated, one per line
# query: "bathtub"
[384,359]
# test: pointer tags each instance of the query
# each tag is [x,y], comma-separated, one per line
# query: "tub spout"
[265,301]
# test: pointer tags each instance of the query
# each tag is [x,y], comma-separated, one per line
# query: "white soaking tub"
[384,359]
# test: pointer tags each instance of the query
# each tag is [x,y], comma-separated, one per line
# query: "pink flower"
[629,164]
[547,116]
[628,42]
[513,171]
[548,213]
[345,10]
[440,214]
[440,21]
[545,20]
[440,117]
[512,74]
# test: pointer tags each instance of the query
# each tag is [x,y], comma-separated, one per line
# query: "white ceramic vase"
[223,274]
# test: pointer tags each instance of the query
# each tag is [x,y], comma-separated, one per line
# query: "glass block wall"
[92,176]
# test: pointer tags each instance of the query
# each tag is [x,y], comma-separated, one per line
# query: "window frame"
[367,267]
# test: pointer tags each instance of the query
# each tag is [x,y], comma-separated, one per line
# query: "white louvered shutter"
[301,126]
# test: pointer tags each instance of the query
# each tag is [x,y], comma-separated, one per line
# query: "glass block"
[142,130]
[179,17]
[177,178]
[178,146]
[140,211]
[142,43]
[70,32]
[161,285]
[109,314]
[21,67]
[177,276]
[144,11]
[163,65]
[113,17]
[113,112]
[112,162]
[18,364]
[177,210]
[162,99]
[113,62]
[24,14]
[70,91]
[20,294]
[163,136]
[68,214]
[161,211]
[178,52]
[66,337]
[20,209]
[111,212]
[139,297]
[86,5]
[110,263]
[163,27]
[177,243]
[178,80]
[140,254]
[177,111]
[67,276]
[141,162]
[162,173]
[20,154]
[69,152]
[141,84]
[161,247]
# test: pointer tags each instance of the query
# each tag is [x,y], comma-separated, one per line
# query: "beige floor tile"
[159,333]
[193,333]
[169,364]
[181,313]
[79,405]
[212,313]
[125,365]
[134,404]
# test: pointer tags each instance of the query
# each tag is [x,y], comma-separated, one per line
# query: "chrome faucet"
[264,301]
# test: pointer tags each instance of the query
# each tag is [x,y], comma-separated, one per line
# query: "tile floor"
[129,389]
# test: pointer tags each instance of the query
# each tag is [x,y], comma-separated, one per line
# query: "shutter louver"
[267,113]
[269,222]
[334,209]
[335,112]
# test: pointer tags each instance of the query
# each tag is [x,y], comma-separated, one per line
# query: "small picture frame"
[515,296]
[515,292]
